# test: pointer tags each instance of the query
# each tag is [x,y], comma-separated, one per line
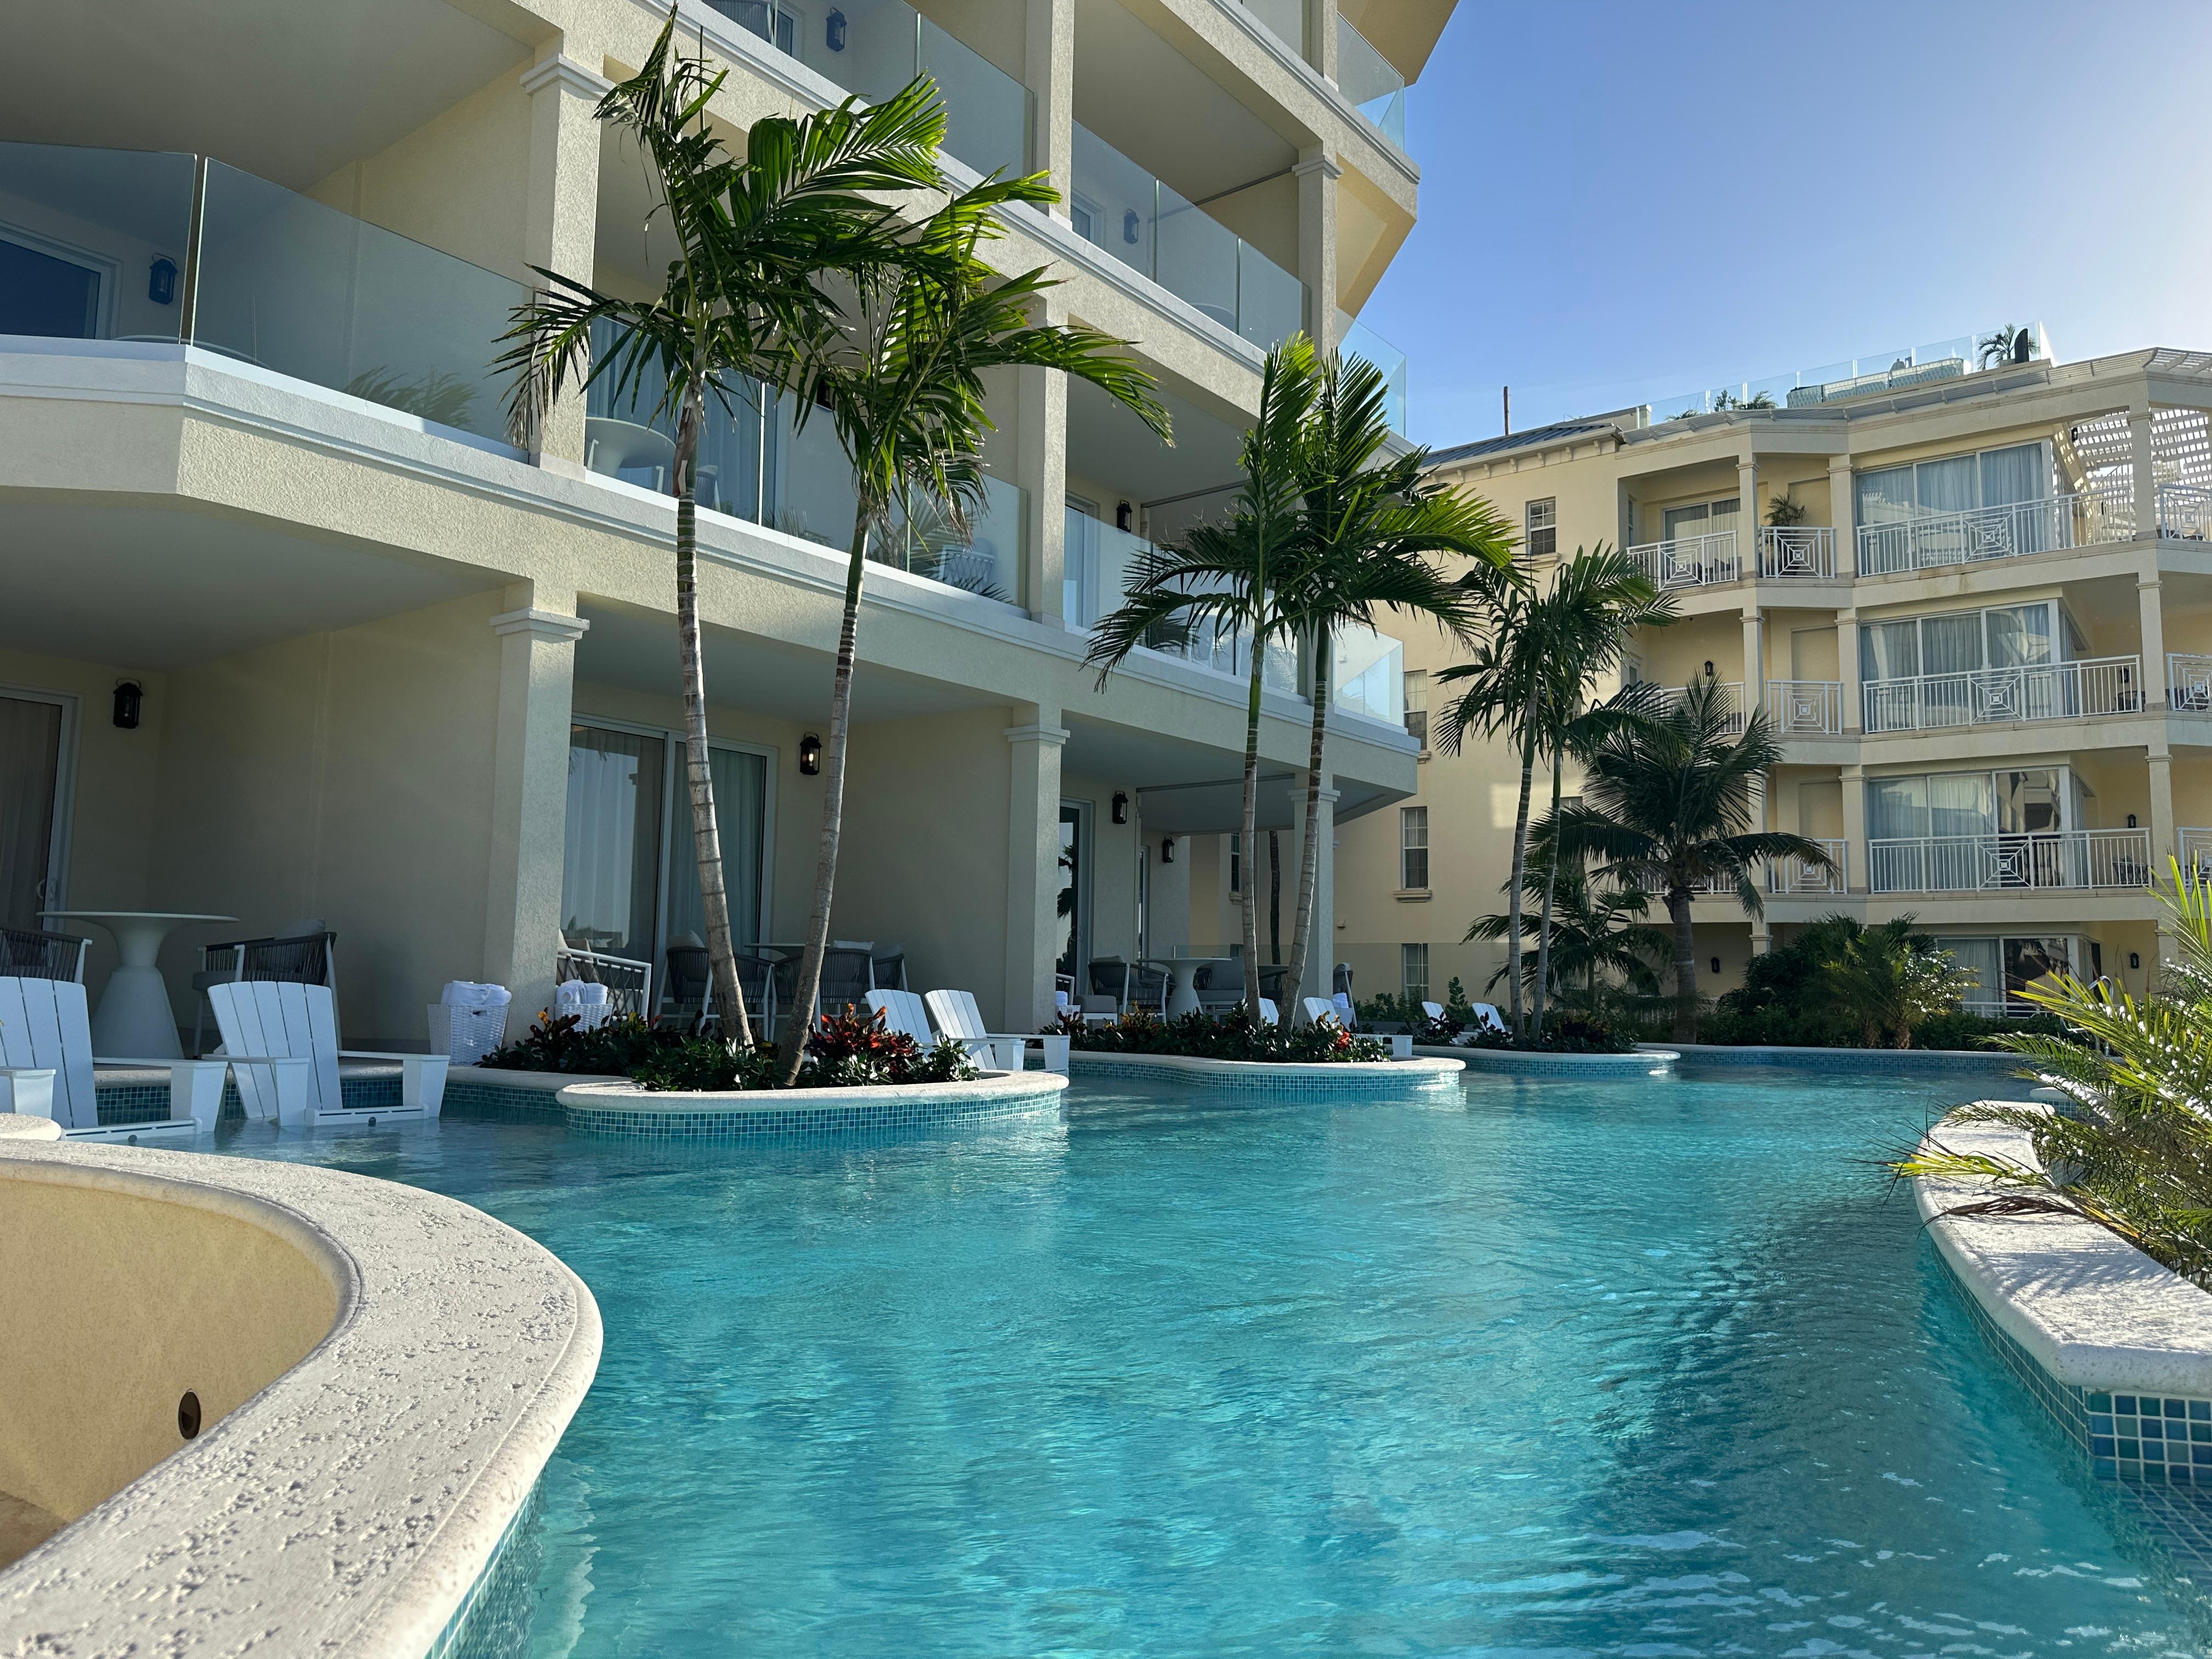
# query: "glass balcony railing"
[1122,209]
[874,47]
[1370,82]
[1286,18]
[93,245]
[1368,673]
[1097,564]
[1356,339]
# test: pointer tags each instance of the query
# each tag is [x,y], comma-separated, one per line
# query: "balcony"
[1690,561]
[279,282]
[1122,209]
[2005,696]
[1285,19]
[1731,703]
[1095,571]
[1930,541]
[1805,708]
[1356,339]
[2196,852]
[2189,683]
[1369,79]
[874,47]
[1803,552]
[2185,512]
[1796,875]
[1368,670]
[2075,861]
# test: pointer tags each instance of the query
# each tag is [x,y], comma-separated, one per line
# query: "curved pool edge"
[2083,1318]
[26,1126]
[1386,1079]
[1644,1062]
[1862,1060]
[355,1505]
[620,1108]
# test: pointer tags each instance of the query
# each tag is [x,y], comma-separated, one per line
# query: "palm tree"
[1370,527]
[901,382]
[1890,979]
[1598,931]
[1223,575]
[1666,802]
[754,235]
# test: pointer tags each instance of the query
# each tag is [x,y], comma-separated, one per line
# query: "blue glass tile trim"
[493,1620]
[1507,1063]
[828,1123]
[489,1102]
[1908,1060]
[1393,1084]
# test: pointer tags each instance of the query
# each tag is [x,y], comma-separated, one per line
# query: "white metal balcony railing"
[2195,849]
[2185,512]
[2189,681]
[1805,708]
[2078,859]
[1797,875]
[1690,561]
[1731,703]
[1799,551]
[1931,540]
[2000,697]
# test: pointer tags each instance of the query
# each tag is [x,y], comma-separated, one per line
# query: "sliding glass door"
[741,818]
[33,757]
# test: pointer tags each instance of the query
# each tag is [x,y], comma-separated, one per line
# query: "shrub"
[850,1050]
[1563,1034]
[1233,1036]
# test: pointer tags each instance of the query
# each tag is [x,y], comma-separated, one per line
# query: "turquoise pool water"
[1647,1368]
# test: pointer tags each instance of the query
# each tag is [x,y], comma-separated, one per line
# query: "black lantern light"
[1717,965]
[130,704]
[1120,807]
[2134,958]
[162,281]
[1129,226]
[1167,850]
[810,755]
[833,30]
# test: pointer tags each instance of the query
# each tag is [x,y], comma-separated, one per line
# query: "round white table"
[1183,980]
[135,1020]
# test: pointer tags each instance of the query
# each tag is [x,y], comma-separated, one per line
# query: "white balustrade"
[1805,707]
[2189,681]
[2080,860]
[1930,540]
[1731,703]
[1796,551]
[2196,852]
[2185,512]
[1798,875]
[1996,696]
[1690,561]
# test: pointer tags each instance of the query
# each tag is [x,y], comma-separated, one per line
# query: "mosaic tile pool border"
[122,1103]
[1392,1081]
[1512,1062]
[493,1619]
[893,1116]
[1860,1060]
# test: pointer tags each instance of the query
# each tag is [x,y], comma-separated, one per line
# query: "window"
[1236,864]
[1413,846]
[1413,973]
[1958,484]
[1705,519]
[46,292]
[1417,705]
[1543,528]
[1962,641]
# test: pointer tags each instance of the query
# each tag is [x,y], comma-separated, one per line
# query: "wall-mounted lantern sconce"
[2131,820]
[810,755]
[2134,958]
[1708,668]
[1120,807]
[1130,227]
[1124,516]
[162,281]
[1717,965]
[834,30]
[1167,850]
[130,704]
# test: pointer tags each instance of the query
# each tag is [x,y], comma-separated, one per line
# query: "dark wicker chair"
[304,958]
[34,953]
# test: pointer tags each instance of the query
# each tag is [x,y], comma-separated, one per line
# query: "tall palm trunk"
[1520,859]
[705,834]
[1685,966]
[1544,928]
[801,1018]
[1274,898]
[1249,898]
[1310,848]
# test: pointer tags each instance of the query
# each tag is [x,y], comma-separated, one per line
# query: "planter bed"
[1387,1079]
[2116,1347]
[1860,1059]
[1535,1062]
[619,1107]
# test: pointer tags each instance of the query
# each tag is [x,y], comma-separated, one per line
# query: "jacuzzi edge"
[1386,1077]
[1535,1062]
[2084,1319]
[396,1456]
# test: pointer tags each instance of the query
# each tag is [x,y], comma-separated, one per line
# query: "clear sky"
[1622,200]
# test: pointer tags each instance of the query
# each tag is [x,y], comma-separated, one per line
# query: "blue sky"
[1622,200]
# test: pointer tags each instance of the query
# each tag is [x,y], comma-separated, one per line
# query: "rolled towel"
[467,994]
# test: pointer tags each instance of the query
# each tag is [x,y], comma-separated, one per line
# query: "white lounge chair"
[46,1067]
[902,1011]
[1322,1008]
[1487,1014]
[1434,1012]
[281,1041]
[956,1015]
[1269,1014]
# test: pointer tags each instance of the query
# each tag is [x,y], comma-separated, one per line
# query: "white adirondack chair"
[1269,1014]
[957,1016]
[46,1067]
[904,1013]
[1319,1009]
[281,1040]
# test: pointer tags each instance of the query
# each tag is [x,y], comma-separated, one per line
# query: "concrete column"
[560,214]
[1854,828]
[1762,936]
[1040,469]
[1843,510]
[1755,657]
[1317,171]
[2150,608]
[1032,867]
[1321,945]
[1847,671]
[1748,514]
[1048,71]
[2141,456]
[529,791]
[2165,839]
[1321,36]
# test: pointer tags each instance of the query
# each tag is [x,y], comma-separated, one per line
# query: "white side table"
[135,1020]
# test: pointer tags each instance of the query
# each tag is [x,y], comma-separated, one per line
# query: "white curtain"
[30,753]
[1885,496]
[1897,809]
[1947,486]
[2014,475]
[1951,645]
[741,816]
[2019,635]
[1688,521]
[1984,959]
[1888,650]
[1960,803]
[612,859]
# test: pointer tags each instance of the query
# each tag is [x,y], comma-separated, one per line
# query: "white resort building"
[293,639]
[1974,595]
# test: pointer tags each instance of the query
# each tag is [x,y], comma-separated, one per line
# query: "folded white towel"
[467,994]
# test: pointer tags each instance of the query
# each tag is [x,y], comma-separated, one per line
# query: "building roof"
[1537,435]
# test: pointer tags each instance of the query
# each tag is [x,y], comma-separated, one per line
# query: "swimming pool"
[1651,1367]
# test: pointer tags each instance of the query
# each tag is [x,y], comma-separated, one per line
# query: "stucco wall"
[116,1303]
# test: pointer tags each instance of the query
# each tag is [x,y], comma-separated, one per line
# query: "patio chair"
[848,976]
[629,982]
[1271,979]
[47,1066]
[1269,1014]
[1341,981]
[1219,986]
[1433,1012]
[904,1013]
[887,967]
[282,1042]
[1318,1009]
[1486,1014]
[304,953]
[689,980]
[956,1015]
[34,953]
[1128,985]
